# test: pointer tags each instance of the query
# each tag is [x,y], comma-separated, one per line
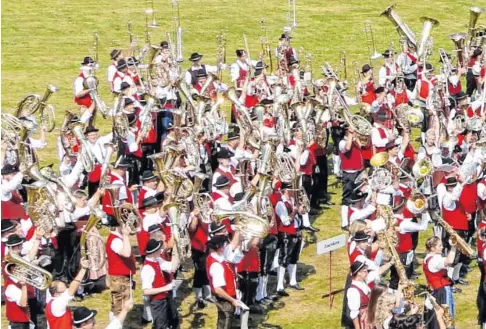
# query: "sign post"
[328,246]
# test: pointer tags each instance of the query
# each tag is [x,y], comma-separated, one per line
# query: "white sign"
[331,244]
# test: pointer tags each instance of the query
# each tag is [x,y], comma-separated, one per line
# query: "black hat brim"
[90,316]
[149,251]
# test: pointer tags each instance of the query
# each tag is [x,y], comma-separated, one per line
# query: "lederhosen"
[287,238]
[269,244]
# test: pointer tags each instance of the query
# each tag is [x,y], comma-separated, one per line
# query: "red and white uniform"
[221,274]
[118,78]
[118,265]
[125,194]
[239,72]
[424,88]
[156,273]
[283,211]
[435,271]
[367,92]
[11,198]
[143,236]
[352,160]
[387,73]
[58,314]
[79,87]
[380,137]
[200,236]
[13,295]
[358,295]
[144,193]
[453,211]
[229,173]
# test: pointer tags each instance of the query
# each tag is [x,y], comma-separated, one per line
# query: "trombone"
[373,54]
[151,11]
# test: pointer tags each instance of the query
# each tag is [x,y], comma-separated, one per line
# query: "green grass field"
[44,41]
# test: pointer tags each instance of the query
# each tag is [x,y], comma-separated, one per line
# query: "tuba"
[86,156]
[91,83]
[241,109]
[41,206]
[90,245]
[22,270]
[400,26]
[459,40]
[429,24]
[125,213]
[249,225]
[50,175]
[34,103]
[474,13]
[202,201]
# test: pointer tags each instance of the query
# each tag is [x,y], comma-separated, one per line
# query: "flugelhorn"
[22,270]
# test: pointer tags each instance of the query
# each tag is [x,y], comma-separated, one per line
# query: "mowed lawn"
[45,41]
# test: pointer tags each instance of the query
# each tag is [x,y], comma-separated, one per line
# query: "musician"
[157,283]
[258,88]
[240,69]
[115,56]
[11,198]
[405,246]
[153,214]
[286,211]
[358,295]
[190,77]
[58,314]
[222,279]
[407,62]
[473,72]
[96,145]
[150,186]
[400,92]
[381,110]
[425,84]
[435,270]
[388,71]
[121,265]
[352,165]
[133,148]
[121,75]
[224,168]
[84,318]
[366,86]
[81,95]
[358,208]
[199,233]
[284,52]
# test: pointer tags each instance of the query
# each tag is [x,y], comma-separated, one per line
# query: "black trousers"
[145,162]
[66,239]
[286,246]
[410,83]
[481,298]
[471,85]
[34,310]
[394,279]
[295,254]
[200,274]
[348,187]
[248,284]
[226,313]
[307,184]
[93,187]
[19,325]
[267,253]
[164,313]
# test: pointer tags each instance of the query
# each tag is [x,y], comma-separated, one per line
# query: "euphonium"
[401,27]
[49,174]
[124,213]
[41,206]
[285,167]
[109,149]
[456,240]
[90,245]
[91,83]
[249,225]
[31,274]
[241,109]
[86,156]
[202,201]
[429,24]
[33,103]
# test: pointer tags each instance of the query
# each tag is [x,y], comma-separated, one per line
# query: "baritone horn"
[249,225]
[22,270]
[34,103]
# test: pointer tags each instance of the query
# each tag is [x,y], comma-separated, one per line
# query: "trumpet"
[22,270]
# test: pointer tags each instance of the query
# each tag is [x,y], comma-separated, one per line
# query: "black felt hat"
[115,53]
[195,57]
[124,85]
[356,267]
[221,181]
[7,225]
[152,246]
[121,64]
[224,153]
[9,169]
[150,201]
[91,129]
[83,314]
[88,61]
[14,240]
[451,181]
[361,236]
[147,175]
[366,68]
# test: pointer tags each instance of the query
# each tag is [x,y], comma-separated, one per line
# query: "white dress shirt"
[354,297]
[10,186]
[148,273]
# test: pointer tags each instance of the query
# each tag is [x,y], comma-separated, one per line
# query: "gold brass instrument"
[301,198]
[202,201]
[34,103]
[409,287]
[400,26]
[22,270]
[285,167]
[50,175]
[91,83]
[241,108]
[447,317]
[124,213]
[456,240]
[90,245]
[173,211]
[459,40]
[429,24]
[373,54]
[11,130]
[221,52]
[26,154]
[242,204]
[408,116]
[248,224]
[474,13]
[41,206]
[86,155]
[422,168]
[109,149]
[265,44]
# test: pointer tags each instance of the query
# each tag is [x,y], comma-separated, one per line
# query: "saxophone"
[456,240]
[447,317]
[389,238]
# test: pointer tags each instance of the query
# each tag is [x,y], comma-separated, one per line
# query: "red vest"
[95,175]
[63,322]
[370,97]
[229,276]
[352,160]
[86,100]
[404,240]
[227,174]
[400,97]
[355,254]
[151,137]
[367,150]
[117,75]
[311,161]
[199,238]
[274,198]
[481,245]
[106,201]
[424,89]
[118,265]
[161,279]
[364,298]
[14,312]
[435,280]
[286,229]
[454,90]
[242,76]
[250,261]
[469,197]
[12,209]
[456,218]
[143,237]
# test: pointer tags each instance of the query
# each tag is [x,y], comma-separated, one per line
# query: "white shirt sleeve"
[85,117]
[114,324]
[117,84]
[148,275]
[382,76]
[235,72]
[188,77]
[13,294]
[354,302]
[362,213]
[111,72]
[216,271]
[436,263]
[450,199]
[482,191]
[10,186]
[407,226]
[132,142]
[165,266]
[232,256]
[78,85]
[304,157]
[223,203]
[60,304]
[117,245]
[282,213]
[71,178]
[376,139]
